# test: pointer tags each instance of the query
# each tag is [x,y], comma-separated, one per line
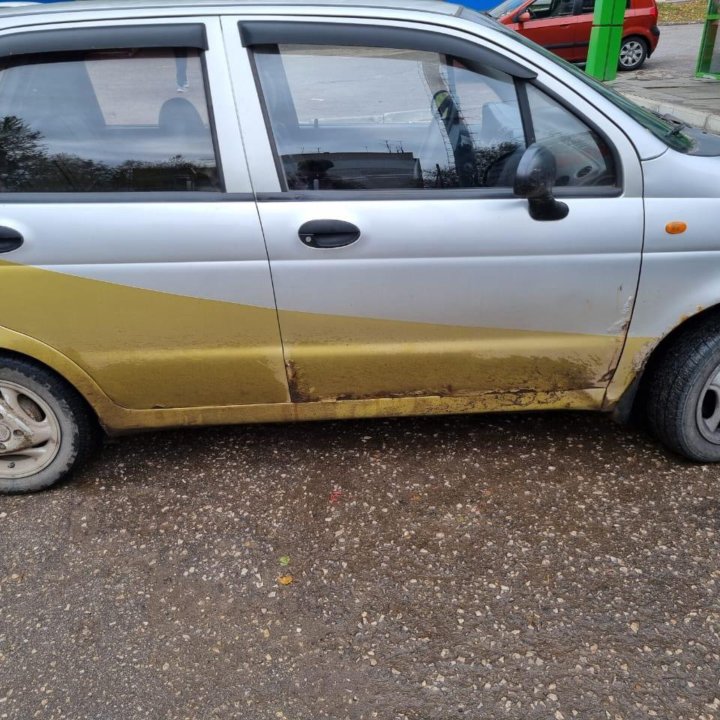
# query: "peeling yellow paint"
[334,357]
[117,419]
[120,420]
[633,358]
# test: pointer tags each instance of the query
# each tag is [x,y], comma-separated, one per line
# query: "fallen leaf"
[284,560]
[285,579]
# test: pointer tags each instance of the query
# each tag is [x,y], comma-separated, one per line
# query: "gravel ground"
[546,566]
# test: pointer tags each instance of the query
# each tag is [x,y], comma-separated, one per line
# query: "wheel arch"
[625,397]
[637,32]
[19,346]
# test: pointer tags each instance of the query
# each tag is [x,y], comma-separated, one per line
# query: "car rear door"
[403,266]
[142,257]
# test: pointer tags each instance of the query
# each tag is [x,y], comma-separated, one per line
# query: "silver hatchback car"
[234,212]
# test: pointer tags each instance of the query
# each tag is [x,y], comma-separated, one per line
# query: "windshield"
[504,8]
[673,133]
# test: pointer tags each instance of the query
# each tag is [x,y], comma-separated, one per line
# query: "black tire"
[681,402]
[53,402]
[633,53]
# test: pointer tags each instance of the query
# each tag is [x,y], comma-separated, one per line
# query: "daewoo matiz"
[215,212]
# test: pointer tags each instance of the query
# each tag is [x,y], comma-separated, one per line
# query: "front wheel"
[683,405]
[45,427]
[633,53]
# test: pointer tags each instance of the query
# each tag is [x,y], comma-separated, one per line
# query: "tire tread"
[670,383]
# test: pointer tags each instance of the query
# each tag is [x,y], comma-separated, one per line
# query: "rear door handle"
[10,239]
[328,233]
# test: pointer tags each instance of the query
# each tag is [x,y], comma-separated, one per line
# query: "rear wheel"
[684,395]
[45,427]
[633,53]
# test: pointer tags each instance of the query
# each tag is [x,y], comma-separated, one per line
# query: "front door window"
[388,119]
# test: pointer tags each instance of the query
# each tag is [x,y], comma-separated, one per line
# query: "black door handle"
[10,239]
[328,233]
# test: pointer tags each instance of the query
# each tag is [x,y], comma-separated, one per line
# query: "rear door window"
[106,121]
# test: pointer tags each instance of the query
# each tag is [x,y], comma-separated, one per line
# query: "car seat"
[179,116]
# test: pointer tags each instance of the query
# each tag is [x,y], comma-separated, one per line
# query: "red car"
[563,26]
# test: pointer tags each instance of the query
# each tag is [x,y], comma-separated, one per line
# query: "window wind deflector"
[104,38]
[264,32]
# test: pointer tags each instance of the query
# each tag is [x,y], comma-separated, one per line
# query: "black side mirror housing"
[534,180]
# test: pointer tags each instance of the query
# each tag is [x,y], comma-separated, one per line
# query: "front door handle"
[10,239]
[328,233]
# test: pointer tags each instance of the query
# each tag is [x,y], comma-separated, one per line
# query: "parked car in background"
[563,26]
[237,213]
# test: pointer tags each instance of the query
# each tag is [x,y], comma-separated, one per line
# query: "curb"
[699,118]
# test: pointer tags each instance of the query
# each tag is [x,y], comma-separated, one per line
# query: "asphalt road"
[676,53]
[549,566]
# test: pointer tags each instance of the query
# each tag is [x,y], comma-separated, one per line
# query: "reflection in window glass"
[129,120]
[379,118]
[582,156]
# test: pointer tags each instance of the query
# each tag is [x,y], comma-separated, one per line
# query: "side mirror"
[523,17]
[534,180]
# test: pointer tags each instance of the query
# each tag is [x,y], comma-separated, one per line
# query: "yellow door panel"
[149,349]
[328,354]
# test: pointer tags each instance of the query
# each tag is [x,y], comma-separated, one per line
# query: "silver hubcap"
[29,432]
[631,53]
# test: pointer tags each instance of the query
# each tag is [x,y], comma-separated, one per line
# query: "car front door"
[141,257]
[383,161]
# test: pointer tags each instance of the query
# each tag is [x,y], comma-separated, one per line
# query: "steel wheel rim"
[631,53]
[30,432]
[707,413]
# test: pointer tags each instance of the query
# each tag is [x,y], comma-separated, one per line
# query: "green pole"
[605,39]
[707,65]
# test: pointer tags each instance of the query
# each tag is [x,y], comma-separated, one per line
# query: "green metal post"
[605,39]
[708,63]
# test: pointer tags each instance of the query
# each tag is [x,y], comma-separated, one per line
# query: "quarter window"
[121,120]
